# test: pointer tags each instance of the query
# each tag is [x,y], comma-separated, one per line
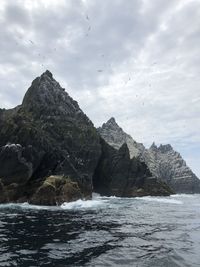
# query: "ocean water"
[148,231]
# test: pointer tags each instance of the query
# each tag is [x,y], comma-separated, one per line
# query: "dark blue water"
[141,232]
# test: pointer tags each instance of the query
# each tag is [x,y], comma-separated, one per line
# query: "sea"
[104,231]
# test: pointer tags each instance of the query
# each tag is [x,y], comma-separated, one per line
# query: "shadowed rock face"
[163,162]
[47,134]
[14,167]
[118,175]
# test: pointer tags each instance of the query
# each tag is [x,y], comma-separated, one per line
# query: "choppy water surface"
[149,231]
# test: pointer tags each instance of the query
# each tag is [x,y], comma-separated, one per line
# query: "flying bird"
[31,42]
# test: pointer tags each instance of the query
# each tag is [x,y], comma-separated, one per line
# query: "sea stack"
[163,161]
[51,153]
[47,135]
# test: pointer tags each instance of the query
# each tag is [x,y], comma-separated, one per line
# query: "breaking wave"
[168,200]
[75,205]
[26,205]
[83,204]
[99,201]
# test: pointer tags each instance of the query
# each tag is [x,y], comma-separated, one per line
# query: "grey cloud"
[16,14]
[135,60]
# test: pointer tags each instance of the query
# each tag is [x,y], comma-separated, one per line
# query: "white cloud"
[135,60]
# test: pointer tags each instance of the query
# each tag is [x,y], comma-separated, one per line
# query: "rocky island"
[163,162]
[50,153]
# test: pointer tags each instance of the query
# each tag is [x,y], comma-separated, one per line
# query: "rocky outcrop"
[116,137]
[56,190]
[50,153]
[168,164]
[163,162]
[118,175]
[47,135]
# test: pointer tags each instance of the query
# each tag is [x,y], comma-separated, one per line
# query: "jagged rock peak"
[165,148]
[112,124]
[45,93]
[48,73]
[161,148]
[114,135]
[111,121]
[153,146]
[43,85]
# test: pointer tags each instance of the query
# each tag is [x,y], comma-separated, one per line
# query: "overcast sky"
[135,60]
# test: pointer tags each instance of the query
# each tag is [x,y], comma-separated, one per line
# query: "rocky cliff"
[163,162]
[166,163]
[118,175]
[50,153]
[114,135]
[47,135]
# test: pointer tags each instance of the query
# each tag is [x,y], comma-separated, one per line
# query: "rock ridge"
[163,161]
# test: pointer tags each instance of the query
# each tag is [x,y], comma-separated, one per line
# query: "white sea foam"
[26,205]
[83,204]
[98,196]
[161,200]
[99,201]
[184,195]
[75,205]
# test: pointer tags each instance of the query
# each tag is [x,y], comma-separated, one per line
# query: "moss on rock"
[56,190]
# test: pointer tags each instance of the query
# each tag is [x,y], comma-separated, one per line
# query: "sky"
[135,60]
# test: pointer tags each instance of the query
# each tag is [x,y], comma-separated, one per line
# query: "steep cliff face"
[116,137]
[118,175]
[168,164]
[47,135]
[163,162]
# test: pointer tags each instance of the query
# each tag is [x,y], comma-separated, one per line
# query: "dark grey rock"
[48,138]
[14,168]
[55,137]
[163,162]
[118,175]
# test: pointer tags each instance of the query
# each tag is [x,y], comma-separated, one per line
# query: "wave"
[185,195]
[75,205]
[160,199]
[26,205]
[97,196]
[83,204]
[99,201]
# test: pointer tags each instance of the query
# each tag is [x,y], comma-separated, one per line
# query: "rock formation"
[47,135]
[116,137]
[163,162]
[118,175]
[56,190]
[168,164]
[50,152]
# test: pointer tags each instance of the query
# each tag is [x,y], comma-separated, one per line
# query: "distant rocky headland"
[163,162]
[50,153]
